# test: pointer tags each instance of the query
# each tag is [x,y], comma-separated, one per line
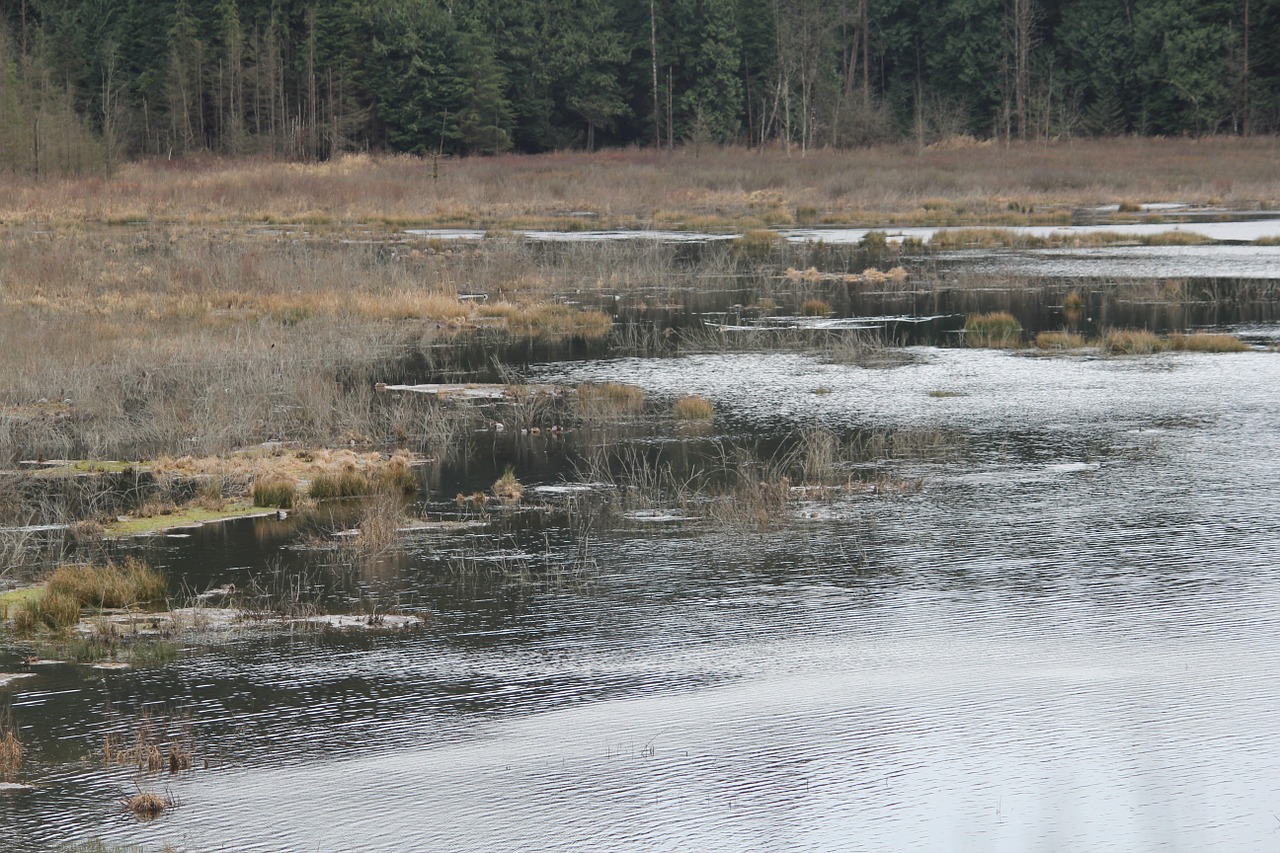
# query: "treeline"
[83,84]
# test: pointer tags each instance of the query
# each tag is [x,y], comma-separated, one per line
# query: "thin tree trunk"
[866,76]
[653,57]
[1245,74]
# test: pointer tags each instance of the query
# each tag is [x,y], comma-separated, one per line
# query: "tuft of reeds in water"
[10,748]
[52,611]
[507,488]
[549,319]
[277,490]
[348,482]
[148,805]
[73,587]
[396,476]
[381,518]
[1059,340]
[815,308]
[692,408]
[607,401]
[111,585]
[994,329]
[1207,342]
[757,244]
[1132,342]
[150,742]
[1174,238]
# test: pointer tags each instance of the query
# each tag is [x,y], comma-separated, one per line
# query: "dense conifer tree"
[86,82]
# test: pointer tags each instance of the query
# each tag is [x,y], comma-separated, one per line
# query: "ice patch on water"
[657,516]
[569,488]
[1073,467]
[1242,231]
[447,233]
[615,236]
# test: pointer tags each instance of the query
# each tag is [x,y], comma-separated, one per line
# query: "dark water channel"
[1063,636]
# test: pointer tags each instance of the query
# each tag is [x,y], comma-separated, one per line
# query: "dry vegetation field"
[948,183]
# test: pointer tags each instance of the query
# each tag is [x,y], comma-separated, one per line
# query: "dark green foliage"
[86,82]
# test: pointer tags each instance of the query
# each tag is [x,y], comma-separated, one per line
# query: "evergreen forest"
[85,84]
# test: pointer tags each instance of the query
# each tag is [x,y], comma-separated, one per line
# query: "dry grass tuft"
[111,585]
[1174,238]
[1207,342]
[609,400]
[72,588]
[381,518]
[692,408]
[343,483]
[147,805]
[278,490]
[10,750]
[815,308]
[1059,340]
[151,743]
[1132,342]
[53,611]
[507,487]
[757,244]
[995,329]
[396,475]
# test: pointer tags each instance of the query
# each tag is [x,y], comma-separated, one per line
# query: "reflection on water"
[1134,262]
[1065,640]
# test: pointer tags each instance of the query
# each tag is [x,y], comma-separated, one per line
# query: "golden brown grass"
[548,319]
[1132,342]
[608,400]
[150,742]
[1207,342]
[71,588]
[692,408]
[345,483]
[1059,340]
[815,308]
[147,805]
[898,183]
[167,340]
[111,585]
[52,611]
[10,749]
[757,243]
[994,329]
[507,487]
[278,490]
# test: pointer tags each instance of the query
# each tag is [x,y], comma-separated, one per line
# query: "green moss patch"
[186,516]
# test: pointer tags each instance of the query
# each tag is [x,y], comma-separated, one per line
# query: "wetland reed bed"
[691,187]
[132,345]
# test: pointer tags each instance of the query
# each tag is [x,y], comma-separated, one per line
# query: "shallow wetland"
[784,560]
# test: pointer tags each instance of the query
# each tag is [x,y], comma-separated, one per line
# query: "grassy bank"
[986,183]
